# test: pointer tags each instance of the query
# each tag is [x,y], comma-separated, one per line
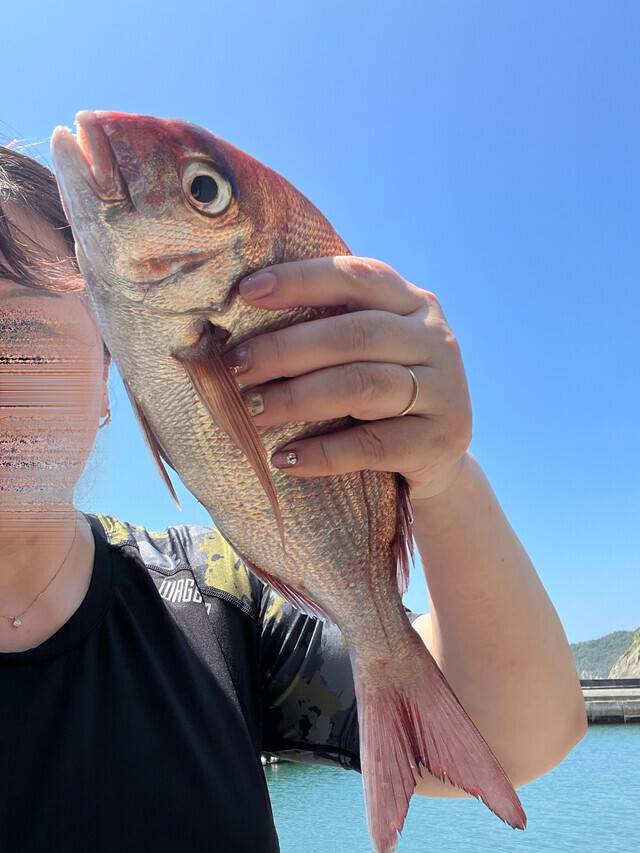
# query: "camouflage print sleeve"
[308,697]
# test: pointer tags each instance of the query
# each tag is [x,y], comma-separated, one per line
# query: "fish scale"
[162,267]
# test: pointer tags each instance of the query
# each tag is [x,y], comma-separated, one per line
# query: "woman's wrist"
[436,510]
[441,485]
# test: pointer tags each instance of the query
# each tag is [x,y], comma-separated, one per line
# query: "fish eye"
[206,189]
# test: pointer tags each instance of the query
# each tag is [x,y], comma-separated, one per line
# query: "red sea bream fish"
[167,219]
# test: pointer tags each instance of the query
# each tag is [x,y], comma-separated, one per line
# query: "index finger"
[355,283]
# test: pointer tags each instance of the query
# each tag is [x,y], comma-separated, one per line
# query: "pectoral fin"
[219,392]
[157,451]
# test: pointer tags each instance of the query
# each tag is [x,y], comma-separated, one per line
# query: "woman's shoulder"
[201,550]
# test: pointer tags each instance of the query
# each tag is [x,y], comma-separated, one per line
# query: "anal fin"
[293,596]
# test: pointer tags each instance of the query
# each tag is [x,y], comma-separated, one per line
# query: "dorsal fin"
[402,544]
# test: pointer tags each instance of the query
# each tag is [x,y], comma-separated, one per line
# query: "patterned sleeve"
[308,698]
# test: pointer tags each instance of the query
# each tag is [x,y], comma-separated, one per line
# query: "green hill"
[628,666]
[594,658]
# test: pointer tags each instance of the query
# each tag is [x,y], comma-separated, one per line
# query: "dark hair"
[29,184]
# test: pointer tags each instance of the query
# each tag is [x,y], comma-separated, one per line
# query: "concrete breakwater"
[612,700]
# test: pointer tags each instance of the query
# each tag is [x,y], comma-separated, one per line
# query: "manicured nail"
[237,359]
[260,284]
[255,402]
[284,458]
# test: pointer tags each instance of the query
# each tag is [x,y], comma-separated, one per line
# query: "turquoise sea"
[590,802]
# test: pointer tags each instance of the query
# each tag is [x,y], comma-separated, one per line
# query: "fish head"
[167,213]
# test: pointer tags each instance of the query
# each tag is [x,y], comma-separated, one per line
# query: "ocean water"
[590,802]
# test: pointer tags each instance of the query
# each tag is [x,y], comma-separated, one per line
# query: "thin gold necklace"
[16,621]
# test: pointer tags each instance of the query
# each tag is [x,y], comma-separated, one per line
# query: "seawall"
[612,700]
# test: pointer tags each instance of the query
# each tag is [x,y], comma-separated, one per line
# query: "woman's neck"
[34,539]
[56,547]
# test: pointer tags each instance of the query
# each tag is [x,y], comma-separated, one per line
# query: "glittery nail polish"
[255,402]
[237,360]
[285,458]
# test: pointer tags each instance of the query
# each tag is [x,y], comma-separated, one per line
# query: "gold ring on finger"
[416,391]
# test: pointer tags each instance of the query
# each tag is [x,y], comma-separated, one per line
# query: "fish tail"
[410,718]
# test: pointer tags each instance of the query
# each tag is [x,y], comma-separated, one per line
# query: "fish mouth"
[90,157]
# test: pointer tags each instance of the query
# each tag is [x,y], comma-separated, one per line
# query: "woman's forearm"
[493,630]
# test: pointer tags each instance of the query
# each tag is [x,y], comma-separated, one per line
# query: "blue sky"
[487,150]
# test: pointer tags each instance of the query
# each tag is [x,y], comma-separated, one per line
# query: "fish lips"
[86,162]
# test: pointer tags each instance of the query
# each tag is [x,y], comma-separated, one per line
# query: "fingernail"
[284,458]
[260,284]
[237,359]
[255,402]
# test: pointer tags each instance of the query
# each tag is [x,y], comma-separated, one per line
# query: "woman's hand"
[352,364]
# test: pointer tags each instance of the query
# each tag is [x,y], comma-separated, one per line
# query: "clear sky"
[487,150]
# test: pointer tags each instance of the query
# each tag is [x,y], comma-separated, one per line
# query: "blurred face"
[52,385]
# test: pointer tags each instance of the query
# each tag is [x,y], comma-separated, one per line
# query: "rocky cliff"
[628,664]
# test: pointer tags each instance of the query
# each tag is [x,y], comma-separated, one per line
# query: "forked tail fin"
[409,716]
